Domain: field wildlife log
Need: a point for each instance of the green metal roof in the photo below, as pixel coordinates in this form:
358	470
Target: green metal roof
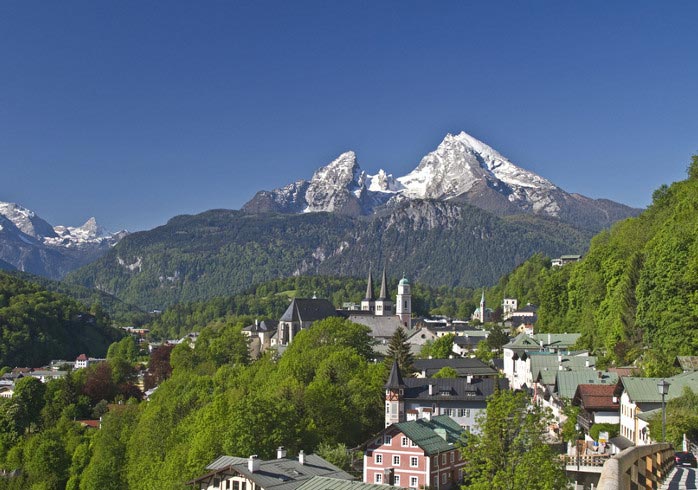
324	483
550	340
424	433
568	381
644	390
547	365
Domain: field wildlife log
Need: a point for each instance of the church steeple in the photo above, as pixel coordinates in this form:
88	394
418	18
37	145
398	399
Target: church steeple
369	286
384	286
369	302
394	397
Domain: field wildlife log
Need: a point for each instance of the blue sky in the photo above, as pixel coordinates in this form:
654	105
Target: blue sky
138	111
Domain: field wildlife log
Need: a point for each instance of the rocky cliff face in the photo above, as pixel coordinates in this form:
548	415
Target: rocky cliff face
460	169
29	243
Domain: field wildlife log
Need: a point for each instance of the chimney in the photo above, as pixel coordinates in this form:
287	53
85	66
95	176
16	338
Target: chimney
586	363
550	339
253	464
256	322
559	358
301	457
280	452
426	414
469	378
431	389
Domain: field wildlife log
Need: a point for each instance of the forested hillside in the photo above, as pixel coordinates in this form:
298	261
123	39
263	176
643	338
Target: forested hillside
221	253
635	293
39	325
270	299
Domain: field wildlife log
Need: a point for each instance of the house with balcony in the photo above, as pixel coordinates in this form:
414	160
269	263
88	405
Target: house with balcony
597	405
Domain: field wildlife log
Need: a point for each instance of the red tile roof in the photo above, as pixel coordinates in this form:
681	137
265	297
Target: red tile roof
596	397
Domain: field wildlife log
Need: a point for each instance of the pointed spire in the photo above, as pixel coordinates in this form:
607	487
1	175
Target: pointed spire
384	286
369	286
482	300
395	378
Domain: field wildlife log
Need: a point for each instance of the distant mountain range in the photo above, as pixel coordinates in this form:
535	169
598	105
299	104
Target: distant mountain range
461	169
30	244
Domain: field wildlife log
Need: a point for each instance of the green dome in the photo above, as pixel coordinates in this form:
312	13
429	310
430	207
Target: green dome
404	281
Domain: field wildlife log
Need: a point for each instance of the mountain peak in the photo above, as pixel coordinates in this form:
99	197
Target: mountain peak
341	171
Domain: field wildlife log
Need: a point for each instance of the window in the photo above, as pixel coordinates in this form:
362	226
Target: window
444	477
413	444
387	408
435	462
405	442
453	456
467	412
396	480
379	459
414	481
243	485
396	460
436	482
414	461
461	412
236	485
379	478
443	458
388	440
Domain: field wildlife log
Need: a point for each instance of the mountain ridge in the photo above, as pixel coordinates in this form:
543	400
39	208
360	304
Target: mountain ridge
461	168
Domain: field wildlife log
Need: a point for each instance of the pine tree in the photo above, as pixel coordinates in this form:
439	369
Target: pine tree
399	350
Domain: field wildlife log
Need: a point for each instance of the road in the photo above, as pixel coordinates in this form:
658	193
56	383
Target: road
681	477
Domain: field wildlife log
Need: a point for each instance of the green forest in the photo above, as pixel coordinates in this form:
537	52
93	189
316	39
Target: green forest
634	296
37	325
323	395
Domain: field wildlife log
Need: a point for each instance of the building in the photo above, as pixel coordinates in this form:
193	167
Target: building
597	405
509	306
417	454
262	336
517	368
426	368
565	259
462	399
482	313
300	314
82	361
638	396
282	473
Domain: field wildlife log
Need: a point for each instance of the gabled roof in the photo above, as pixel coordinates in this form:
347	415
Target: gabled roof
687	363
308	310
278	474
263	326
644	390
596	397
425	433
463	367
381	326
546	365
566	382
452	389
557	341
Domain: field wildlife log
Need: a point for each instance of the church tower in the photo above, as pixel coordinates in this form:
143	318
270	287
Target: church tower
403	302
394	397
369	302
384	306
482	307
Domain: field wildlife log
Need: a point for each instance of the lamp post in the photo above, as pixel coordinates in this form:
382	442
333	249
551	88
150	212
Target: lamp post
663	387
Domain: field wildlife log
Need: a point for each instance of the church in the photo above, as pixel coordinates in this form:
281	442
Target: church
380	314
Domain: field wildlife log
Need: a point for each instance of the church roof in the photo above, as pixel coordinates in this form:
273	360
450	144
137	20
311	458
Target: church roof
308	310
381	326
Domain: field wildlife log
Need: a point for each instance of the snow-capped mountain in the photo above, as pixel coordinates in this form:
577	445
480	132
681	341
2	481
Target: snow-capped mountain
461	168
29	243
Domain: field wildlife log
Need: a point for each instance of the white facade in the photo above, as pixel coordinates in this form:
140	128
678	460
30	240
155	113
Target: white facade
403	302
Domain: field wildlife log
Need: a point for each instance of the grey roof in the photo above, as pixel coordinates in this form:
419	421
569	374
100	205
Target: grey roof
325	483
281	474
263	326
457	389
308	310
381	326
470	339
687	363
463	367
546	365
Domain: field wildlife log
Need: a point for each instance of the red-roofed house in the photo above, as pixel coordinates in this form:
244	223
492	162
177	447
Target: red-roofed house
598	405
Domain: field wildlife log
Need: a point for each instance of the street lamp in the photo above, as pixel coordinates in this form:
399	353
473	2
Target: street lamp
663	387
